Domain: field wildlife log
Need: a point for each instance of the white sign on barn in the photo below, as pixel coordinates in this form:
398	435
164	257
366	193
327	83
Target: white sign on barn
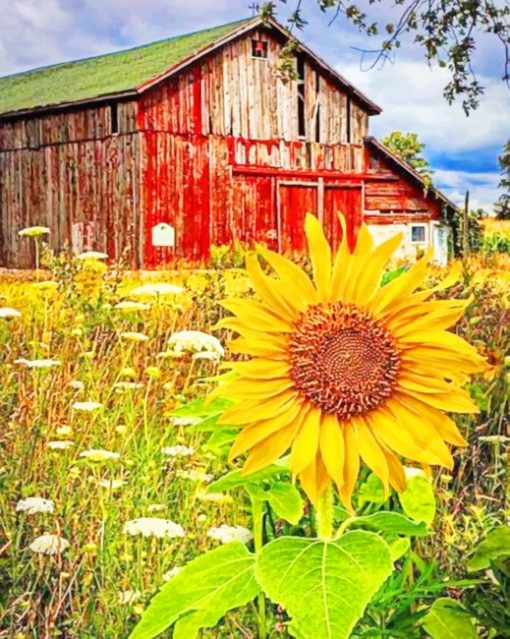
163	235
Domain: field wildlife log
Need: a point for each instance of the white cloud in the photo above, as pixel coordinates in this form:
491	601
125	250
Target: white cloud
482	187
410	94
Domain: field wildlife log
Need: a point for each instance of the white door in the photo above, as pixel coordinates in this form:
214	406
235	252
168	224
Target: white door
440	235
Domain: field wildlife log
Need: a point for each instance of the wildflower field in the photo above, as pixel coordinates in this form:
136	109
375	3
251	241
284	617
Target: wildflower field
119	480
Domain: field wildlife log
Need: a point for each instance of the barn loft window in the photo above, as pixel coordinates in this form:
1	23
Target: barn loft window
259	49
301	96
114	118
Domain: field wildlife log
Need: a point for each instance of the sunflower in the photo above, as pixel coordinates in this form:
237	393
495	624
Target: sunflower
344	370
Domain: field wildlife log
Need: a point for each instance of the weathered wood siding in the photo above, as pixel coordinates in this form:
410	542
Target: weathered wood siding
394	199
67	172
233	94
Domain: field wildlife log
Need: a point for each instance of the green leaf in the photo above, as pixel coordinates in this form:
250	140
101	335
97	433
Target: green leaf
447	619
201	593
398	547
418	500
324	586
198	408
372	491
392	523
220	438
285	499
495	546
236	479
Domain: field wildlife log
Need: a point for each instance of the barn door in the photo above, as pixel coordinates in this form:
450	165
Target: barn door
344	199
295	200
254	214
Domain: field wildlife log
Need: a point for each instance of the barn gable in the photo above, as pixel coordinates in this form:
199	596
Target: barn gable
128	73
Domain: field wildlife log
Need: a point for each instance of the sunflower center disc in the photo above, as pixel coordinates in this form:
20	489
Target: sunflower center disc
343	361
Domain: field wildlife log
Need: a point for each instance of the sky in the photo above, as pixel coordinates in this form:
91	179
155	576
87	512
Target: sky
462	150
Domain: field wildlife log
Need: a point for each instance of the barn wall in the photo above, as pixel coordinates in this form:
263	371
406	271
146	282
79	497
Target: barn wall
233	94
67	172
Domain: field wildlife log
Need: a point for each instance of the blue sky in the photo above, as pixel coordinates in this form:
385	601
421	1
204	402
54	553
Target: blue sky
462	150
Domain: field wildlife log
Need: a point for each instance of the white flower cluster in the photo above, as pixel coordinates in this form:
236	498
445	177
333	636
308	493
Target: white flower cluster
153	527
178	451
202	345
99	455
226	534
49	545
33	505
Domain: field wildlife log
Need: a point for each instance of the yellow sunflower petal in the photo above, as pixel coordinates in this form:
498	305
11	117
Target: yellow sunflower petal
245	389
406	437
251	410
457	402
370	277
269	450
306	443
295	279
351	467
341	266
358	263
314	479
252	435
400	287
320	256
261	368
332	448
268	348
370	451
257	315
267	290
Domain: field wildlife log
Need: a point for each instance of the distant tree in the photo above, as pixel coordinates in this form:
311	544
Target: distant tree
408	147
502	206
446	30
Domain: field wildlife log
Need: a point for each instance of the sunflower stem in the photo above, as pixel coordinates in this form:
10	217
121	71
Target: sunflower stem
257	512
325	515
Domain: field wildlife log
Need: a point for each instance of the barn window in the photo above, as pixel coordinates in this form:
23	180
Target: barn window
114	118
259	49
301	96
418	233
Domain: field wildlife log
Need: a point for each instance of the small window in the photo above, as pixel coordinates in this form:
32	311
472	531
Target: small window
418	234
114	118
259	49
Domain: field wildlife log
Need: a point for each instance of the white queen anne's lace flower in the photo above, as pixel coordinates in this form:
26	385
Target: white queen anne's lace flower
195	342
92	255
60	445
38	363
33	505
49	545
226	534
34	231
153	527
130	307
98	455
194	475
178	451
9	313
127	597
157	288
86	407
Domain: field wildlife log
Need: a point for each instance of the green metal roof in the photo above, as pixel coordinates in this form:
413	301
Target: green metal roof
110	74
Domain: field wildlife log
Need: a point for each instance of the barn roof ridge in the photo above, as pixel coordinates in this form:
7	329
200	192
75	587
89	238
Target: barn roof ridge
404	167
17	100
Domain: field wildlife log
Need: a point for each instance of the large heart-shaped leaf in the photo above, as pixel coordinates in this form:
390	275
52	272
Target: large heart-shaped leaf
324	586
201	593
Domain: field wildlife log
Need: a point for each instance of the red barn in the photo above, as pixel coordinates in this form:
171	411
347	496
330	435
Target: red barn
167	149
